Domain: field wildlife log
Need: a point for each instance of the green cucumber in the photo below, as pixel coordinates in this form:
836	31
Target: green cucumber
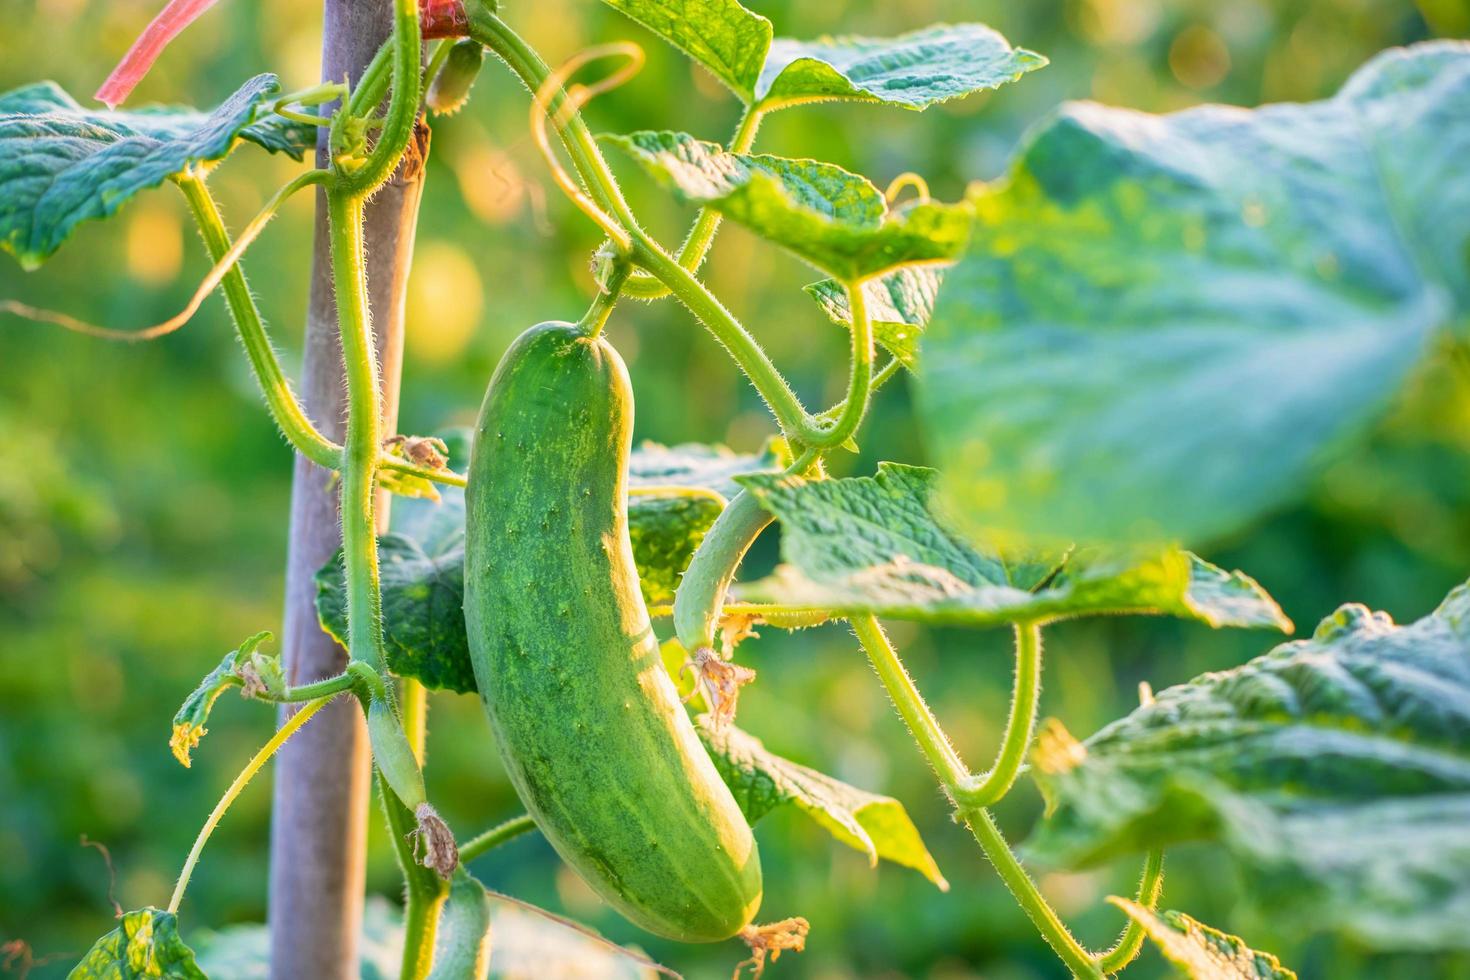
592	732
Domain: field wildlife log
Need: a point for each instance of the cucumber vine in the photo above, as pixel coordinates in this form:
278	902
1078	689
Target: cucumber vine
930	550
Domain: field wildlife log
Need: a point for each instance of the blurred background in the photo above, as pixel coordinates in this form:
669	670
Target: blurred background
143	489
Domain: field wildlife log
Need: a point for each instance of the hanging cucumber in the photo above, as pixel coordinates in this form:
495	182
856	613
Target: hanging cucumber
588	722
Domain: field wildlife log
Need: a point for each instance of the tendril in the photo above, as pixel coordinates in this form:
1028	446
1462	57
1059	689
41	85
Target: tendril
211	281
904	180
576	97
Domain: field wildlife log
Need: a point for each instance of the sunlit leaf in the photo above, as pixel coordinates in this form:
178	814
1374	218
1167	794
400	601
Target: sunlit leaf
145	944
1200	952
421	560
899	306
1163	322
721	35
61	164
1336	770
912	71
881	545
879	826
834	219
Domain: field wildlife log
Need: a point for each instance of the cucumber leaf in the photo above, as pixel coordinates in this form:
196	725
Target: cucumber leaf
899	306
1200	952
245	661
722	35
833	219
881	545
1335	770
61	164
911	71
879	826
421	559
145	944
1163	322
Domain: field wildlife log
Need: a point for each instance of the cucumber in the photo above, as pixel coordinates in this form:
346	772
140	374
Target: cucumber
592	732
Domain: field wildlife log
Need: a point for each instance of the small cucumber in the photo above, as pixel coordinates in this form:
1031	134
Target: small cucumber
590	727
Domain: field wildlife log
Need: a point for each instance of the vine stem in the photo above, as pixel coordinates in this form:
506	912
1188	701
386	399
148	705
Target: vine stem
937	749
364	435
403	106
1150	888
280	397
1020	726
260	758
495	836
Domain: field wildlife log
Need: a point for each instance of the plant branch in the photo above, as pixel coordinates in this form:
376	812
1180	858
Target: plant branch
260	758
976	791
364	436
1150	888
495	836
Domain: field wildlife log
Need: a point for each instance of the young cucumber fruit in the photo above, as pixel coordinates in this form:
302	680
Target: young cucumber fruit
590	727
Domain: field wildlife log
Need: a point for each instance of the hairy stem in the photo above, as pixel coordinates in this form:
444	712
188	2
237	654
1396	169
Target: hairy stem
281	399
1020	726
1026	894
1150	888
495	836
952	774
364	431
260	758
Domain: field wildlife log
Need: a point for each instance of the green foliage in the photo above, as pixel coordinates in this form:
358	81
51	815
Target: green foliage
1162	321
244	666
1334	769
880	545
61	164
899	306
879	826
422	558
1200	952
835	220
912	71
145	944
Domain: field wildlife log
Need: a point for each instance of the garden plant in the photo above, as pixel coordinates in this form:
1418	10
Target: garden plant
1149	332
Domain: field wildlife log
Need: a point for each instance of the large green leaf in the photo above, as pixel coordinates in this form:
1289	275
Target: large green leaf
1163	321
61	164
834	219
880	545
721	35
145	944
879	826
899	306
1335	769
912	71
421	560
1201	952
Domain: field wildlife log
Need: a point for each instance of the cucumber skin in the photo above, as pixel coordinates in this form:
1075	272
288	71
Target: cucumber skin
592	732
